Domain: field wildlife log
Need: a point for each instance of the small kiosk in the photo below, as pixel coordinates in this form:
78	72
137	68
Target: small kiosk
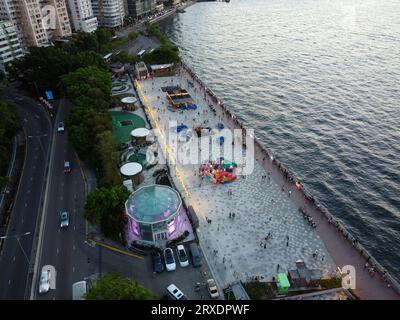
139	136
128	103
134	171
282	283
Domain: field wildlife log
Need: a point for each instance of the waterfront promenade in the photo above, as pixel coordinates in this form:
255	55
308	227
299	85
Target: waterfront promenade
234	247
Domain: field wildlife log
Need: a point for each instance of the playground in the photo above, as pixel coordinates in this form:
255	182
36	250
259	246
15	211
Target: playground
124	123
219	171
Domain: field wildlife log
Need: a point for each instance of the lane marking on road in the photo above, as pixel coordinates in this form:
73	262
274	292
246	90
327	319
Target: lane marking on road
58	251
118	250
14	258
73	269
9	282
22	220
61	198
73	247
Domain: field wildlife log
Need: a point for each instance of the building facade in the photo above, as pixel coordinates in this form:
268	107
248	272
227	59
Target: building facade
37	21
81	15
138	8
10	44
109	13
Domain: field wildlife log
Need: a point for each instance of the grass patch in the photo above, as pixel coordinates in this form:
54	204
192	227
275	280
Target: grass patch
229	295
260	290
331	283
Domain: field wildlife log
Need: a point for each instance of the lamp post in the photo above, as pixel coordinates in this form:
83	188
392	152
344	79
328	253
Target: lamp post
18	237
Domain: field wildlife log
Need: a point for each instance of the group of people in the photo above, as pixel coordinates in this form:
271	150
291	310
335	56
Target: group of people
308	218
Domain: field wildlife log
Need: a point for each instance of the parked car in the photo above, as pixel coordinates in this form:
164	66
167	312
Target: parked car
60	127
174	293
158	265
212	288
44	282
67	167
182	256
169	259
195	254
64	219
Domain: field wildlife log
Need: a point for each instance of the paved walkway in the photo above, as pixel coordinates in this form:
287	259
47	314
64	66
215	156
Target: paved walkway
340	249
235	247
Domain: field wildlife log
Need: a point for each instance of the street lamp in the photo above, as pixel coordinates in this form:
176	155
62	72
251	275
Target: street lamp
18	237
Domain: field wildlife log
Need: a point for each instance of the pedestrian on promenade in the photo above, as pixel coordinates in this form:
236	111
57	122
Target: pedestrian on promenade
277	268
230	215
233	215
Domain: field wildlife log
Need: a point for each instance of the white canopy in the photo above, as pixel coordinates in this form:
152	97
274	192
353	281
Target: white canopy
128	100
140	132
130	169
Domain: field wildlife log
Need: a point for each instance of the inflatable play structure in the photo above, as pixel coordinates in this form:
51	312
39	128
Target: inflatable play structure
220	171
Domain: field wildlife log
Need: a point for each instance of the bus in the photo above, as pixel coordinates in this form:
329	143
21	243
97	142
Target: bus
107	57
141	53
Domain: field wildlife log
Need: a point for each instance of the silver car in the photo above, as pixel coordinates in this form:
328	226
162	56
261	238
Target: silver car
64	219
44	283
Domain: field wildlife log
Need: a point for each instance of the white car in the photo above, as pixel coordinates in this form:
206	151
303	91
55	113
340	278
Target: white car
169	259
44	283
212	288
60	127
182	256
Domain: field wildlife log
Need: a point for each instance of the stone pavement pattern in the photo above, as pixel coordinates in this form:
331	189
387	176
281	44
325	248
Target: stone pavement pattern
233	246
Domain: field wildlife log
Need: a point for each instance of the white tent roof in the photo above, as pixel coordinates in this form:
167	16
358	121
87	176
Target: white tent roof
130	169
128	100
140	132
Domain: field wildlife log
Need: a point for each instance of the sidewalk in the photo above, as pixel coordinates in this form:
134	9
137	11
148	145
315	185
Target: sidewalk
340	248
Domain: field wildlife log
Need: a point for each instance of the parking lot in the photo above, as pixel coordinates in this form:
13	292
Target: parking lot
142	271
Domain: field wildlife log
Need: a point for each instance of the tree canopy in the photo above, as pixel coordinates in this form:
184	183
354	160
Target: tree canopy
114	286
105	206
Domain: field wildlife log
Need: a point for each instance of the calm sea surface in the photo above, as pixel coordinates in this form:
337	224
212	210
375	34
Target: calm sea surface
319	81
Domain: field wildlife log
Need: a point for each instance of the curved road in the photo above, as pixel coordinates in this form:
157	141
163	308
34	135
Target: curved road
14	264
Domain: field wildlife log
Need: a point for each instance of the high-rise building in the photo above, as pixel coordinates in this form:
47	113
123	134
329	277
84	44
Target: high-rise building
109	13
137	8
81	15
10	44
37	21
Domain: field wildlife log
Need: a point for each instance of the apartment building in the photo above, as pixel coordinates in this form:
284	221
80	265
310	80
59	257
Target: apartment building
137	8
37	21
81	15
10	44
109	13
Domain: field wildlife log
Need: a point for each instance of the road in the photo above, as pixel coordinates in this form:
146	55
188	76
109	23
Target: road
65	249
14	265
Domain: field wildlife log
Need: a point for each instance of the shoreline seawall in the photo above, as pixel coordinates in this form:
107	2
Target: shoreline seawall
288	180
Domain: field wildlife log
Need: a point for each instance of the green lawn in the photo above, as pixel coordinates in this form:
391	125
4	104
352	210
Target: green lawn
123	123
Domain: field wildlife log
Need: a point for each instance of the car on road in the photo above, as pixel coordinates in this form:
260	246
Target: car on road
174	293
44	281
79	290
212	288
195	254
64	219
182	256
67	167
169	259
61	127
158	265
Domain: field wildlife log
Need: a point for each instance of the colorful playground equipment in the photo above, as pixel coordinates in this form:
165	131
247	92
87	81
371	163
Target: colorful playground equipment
220	171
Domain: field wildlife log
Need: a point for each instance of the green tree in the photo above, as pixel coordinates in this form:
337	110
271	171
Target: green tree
114	286
87	59
9	127
79	82
108	154
133	35
105	206
164	54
